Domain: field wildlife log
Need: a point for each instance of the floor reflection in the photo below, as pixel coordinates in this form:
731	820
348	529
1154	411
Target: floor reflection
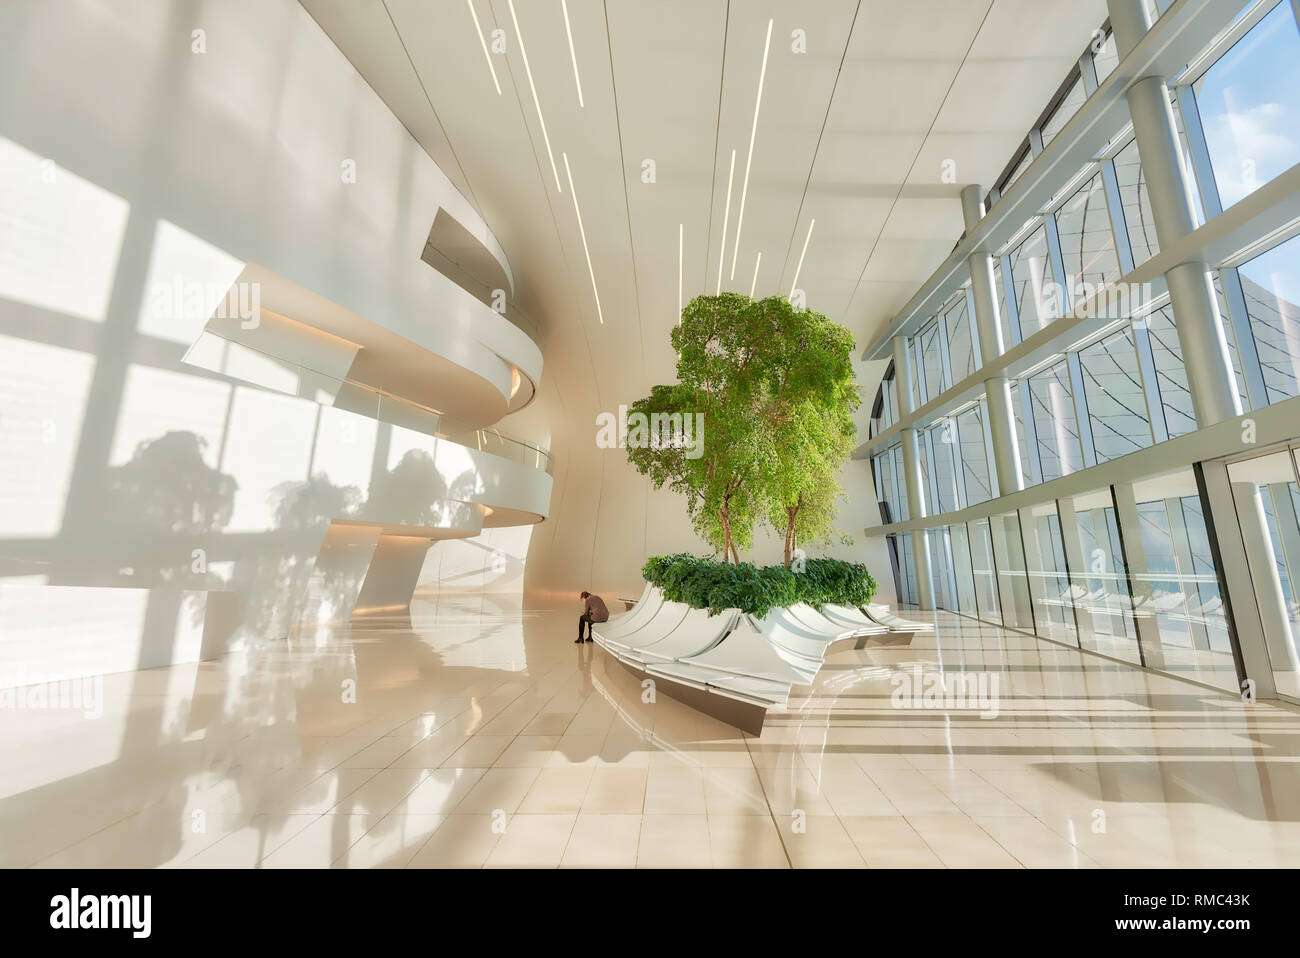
471	731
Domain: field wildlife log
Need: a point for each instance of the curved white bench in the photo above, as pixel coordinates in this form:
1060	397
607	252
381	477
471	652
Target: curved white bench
816	623
620	627
667	616
878	613
703	659
849	617
746	652
697	632
792	638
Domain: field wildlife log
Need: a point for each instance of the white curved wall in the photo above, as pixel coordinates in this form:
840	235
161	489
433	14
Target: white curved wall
139	175
268	146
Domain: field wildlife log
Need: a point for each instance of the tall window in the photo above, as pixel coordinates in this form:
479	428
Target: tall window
1271	282
1112	385
1031	269
1249	102
1138	219
1062	114
962	348
974	457
1059	452
931	364
1087	246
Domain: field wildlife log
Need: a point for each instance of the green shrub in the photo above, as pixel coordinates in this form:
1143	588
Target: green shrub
710	584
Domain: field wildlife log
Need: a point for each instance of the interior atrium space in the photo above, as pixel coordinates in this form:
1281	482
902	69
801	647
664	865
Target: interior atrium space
649	435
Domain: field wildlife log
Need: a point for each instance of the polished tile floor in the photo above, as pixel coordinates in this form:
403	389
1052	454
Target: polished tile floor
474	733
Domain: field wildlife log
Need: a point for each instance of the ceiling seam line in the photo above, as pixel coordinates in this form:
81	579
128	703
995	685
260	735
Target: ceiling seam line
794	227
717	135
432	109
903	184
627	202
550	205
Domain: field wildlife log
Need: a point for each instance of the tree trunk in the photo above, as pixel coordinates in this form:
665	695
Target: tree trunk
726	534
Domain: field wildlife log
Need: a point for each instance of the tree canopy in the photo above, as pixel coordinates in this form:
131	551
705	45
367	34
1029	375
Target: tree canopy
773	388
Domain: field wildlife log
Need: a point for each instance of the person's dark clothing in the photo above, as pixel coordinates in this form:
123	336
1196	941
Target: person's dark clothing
594	611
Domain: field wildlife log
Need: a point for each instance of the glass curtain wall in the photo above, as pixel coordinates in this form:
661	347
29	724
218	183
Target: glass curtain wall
1190	635
1105	600
1048	578
1271	485
984	570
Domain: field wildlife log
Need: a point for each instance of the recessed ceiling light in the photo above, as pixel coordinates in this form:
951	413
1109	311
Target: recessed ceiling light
754	284
799	268
726	215
583	233
483	43
536	102
564	5
744	190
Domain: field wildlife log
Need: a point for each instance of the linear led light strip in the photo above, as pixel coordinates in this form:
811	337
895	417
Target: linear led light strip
744	190
564	5
754	284
583	233
536	102
799	268
681	256
482	42
726	215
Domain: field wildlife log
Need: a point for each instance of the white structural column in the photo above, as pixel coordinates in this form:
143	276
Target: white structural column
1169	189
912	478
1201	333
1002	421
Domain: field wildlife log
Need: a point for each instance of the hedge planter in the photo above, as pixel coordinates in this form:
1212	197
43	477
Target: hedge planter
704	583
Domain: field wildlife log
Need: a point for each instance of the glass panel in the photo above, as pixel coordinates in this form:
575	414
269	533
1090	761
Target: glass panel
941	563
1105	606
959	544
1087	246
1138	219
900	482
1271	282
1113	387
1059	452
931	361
924	462
1062	114
1184	600
914	360
1026	158
1031	269
1105	58
907	568
985	573
942	439
1171	376
1265	489
1000	293
1022	438
1249	102
1009	558
1049	584
961	345
974	458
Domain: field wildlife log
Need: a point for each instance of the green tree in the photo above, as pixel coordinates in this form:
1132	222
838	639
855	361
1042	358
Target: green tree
809	399
773	387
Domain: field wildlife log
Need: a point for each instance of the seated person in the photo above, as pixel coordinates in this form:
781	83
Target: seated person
593	611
